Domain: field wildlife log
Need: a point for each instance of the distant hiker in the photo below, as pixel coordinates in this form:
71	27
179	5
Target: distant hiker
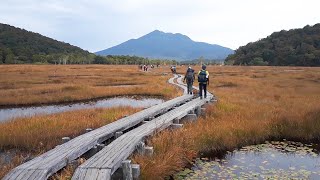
173	69
190	79
203	79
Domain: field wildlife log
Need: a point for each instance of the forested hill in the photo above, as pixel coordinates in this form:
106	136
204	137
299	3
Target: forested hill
21	46
296	47
18	46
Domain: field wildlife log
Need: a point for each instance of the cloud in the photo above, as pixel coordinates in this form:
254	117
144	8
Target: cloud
98	24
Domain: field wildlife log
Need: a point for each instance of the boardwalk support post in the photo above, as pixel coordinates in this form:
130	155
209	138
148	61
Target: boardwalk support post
189	118
197	111
176	121
148	151
100	146
118	134
73	164
65	139
88	130
93	151
127	170
176	126
141	148
135	171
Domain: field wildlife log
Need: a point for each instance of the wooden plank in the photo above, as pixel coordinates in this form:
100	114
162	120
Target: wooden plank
120	149
37	174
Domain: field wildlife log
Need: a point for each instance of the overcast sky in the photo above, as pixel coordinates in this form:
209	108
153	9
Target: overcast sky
99	24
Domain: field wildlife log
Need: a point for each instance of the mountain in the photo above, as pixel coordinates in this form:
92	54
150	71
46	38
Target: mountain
160	45
296	47
22	46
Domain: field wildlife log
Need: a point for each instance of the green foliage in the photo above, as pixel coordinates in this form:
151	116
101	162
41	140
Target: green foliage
133	60
297	47
258	61
18	46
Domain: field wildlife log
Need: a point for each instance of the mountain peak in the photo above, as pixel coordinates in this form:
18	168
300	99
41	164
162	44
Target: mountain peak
164	45
161	34
155	33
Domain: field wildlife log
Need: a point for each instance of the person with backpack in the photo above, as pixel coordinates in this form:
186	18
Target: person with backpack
173	69
203	79
190	79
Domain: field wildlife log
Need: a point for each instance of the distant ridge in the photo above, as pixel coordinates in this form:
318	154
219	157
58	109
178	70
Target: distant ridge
22	46
296	47
161	45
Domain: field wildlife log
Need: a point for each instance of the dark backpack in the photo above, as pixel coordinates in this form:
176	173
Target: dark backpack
202	77
190	75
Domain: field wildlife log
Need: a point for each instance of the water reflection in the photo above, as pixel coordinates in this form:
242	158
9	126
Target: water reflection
271	160
7	114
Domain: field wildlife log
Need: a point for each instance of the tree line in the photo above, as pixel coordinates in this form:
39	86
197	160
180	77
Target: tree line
117	59
296	47
7	57
19	46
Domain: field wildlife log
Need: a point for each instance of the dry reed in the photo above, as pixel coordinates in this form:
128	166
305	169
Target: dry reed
255	104
49	84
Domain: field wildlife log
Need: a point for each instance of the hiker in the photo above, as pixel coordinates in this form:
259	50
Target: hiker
173	69
203	79
190	79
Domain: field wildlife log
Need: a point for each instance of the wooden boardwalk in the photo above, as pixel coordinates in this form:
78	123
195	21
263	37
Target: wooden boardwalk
50	162
108	160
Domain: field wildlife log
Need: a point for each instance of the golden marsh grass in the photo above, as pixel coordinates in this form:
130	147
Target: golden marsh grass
49	84
255	104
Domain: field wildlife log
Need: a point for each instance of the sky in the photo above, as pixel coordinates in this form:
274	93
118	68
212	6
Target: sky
95	25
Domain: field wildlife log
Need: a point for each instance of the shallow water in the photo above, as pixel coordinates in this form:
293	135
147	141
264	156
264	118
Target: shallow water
11	113
271	160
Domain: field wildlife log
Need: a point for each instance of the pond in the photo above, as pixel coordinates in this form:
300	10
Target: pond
271	160
11	113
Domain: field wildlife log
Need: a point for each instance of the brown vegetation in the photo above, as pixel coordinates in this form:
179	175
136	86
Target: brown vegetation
38	134
255	104
49	84
46	84
42	133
